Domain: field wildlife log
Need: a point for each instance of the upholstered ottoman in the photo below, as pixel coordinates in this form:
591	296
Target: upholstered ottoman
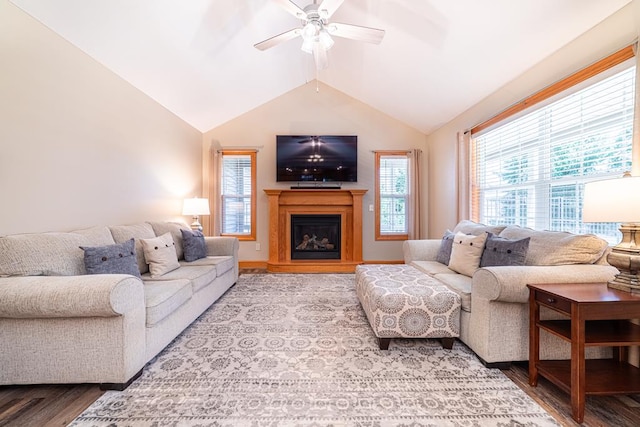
402	302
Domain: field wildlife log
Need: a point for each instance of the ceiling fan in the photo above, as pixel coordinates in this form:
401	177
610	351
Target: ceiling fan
316	30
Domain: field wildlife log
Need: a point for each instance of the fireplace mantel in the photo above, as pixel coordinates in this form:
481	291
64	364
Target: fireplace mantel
284	203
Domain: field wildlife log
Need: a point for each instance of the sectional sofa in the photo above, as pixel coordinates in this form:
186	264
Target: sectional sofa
494	320
59	324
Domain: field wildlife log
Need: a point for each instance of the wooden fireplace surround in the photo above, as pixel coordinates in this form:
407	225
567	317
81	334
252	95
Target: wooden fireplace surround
284	203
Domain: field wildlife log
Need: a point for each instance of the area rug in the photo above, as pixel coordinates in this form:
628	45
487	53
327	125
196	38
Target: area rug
297	350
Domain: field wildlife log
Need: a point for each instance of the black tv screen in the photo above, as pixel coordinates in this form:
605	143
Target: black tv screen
319	158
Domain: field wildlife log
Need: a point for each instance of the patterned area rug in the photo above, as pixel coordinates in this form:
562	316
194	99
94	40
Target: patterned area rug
296	350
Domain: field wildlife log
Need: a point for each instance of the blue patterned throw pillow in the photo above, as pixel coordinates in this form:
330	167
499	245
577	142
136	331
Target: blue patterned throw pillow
111	259
193	245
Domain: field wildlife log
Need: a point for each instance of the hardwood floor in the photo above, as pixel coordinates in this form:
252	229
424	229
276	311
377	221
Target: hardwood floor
46	405
600	411
40	406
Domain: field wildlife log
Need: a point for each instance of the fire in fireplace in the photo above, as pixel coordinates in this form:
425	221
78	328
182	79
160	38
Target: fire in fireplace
315	236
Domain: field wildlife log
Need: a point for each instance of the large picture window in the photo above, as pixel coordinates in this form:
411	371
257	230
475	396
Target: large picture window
238	198
531	171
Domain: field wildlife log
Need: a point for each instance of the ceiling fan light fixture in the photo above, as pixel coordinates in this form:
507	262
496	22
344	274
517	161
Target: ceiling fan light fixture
310	30
325	39
307	45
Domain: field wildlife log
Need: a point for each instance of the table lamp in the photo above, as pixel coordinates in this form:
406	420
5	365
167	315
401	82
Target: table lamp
618	200
195	207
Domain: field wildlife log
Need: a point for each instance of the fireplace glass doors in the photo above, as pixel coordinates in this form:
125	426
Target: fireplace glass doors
315	236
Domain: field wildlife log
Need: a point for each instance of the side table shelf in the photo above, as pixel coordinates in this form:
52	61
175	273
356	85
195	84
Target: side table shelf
596	316
597	332
603	376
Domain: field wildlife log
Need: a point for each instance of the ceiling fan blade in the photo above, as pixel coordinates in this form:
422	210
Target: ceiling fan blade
275	40
292	8
328	7
356	32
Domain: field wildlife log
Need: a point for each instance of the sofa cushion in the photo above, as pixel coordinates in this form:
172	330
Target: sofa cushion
118	258
173	227
98	236
431	267
199	276
160	254
122	233
223	263
460	284
42	254
558	247
163	297
444	252
194	245
470	227
500	251
466	253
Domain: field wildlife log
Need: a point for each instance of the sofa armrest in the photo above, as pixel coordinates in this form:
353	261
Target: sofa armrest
420	250
222	245
509	284
99	295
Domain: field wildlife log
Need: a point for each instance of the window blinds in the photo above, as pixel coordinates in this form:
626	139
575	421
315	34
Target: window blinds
394	192
236	194
531	171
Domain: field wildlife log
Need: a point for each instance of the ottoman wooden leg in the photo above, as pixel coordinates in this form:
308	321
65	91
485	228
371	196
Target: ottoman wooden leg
448	343
384	343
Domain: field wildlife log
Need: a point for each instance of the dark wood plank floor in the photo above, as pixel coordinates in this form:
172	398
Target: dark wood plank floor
46	405
600	411
39	406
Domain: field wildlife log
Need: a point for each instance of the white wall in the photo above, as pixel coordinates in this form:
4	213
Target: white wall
304	111
614	33
79	146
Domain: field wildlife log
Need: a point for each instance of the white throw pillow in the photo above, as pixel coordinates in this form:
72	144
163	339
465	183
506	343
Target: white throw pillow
466	253
160	254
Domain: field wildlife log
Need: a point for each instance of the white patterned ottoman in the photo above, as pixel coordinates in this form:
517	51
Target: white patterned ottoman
402	302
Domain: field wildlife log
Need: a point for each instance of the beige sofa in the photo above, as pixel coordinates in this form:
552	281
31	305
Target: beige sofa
59	324
494	319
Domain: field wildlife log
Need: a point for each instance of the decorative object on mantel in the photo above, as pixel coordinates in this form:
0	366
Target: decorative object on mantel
618	200
196	207
316	30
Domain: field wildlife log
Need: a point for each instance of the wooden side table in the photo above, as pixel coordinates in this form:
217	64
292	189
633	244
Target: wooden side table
597	316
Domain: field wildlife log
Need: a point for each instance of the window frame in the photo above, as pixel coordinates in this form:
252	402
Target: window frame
378	197
253	158
505	117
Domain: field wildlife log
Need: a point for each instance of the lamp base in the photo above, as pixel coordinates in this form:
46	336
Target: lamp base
625	282
195	225
626	258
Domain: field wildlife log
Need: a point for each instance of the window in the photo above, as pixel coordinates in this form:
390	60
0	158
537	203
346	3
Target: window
531	171
392	195
238	184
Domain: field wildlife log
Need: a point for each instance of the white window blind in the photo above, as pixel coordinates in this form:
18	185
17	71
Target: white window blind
236	194
394	193
531	171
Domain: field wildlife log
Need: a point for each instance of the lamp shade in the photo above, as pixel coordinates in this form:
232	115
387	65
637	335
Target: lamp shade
612	200
195	206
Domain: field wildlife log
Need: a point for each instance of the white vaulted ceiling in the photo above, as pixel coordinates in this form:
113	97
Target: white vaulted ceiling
438	57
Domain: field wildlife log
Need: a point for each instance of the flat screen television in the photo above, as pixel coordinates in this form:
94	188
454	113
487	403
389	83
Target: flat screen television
317	158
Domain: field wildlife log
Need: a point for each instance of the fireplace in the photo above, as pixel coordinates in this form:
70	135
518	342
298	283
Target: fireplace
286	205
315	236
